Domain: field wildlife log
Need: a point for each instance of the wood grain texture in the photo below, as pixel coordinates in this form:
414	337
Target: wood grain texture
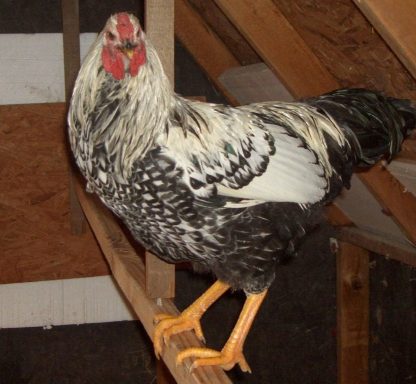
35	238
352	314
279	45
397	201
205	46
395	22
159	19
382	245
348	45
72	61
129	271
160	276
229	34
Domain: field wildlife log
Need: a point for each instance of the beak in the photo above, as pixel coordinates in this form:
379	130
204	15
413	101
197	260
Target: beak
128	49
129	52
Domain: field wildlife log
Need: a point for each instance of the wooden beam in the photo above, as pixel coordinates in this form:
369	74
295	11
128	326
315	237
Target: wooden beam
71	44
352	313
393	196
380	244
395	22
159	19
204	45
280	46
129	272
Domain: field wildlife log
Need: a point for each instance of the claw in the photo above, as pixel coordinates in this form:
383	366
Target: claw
205	356
168	325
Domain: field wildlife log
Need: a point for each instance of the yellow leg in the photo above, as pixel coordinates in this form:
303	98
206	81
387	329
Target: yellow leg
232	352
168	325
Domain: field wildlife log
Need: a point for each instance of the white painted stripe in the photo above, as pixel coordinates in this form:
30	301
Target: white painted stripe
32	67
60	302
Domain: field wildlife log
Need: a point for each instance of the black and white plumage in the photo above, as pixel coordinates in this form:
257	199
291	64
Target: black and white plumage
231	189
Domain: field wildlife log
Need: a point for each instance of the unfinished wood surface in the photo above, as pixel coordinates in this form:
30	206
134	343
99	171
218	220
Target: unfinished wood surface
163	375
205	46
71	43
280	46
160	276
397	201
352	314
35	238
380	244
348	46
229	34
395	21
159	26
129	272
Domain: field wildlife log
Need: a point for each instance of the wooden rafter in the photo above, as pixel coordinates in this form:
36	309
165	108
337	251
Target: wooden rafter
206	47
278	44
395	21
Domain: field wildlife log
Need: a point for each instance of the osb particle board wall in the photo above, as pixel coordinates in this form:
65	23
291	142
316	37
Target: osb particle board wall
347	44
35	237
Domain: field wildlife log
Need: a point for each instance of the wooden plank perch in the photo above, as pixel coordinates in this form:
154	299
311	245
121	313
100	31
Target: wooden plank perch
129	271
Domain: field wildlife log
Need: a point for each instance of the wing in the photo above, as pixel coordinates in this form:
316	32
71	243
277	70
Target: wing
263	152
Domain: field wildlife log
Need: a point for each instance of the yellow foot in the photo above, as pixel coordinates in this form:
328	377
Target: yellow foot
226	359
168	325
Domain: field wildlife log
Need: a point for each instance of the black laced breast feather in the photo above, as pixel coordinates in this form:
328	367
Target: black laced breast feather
240	245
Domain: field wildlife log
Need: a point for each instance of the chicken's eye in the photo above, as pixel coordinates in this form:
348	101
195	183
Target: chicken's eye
111	36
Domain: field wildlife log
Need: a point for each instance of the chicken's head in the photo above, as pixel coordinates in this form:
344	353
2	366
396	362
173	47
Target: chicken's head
123	49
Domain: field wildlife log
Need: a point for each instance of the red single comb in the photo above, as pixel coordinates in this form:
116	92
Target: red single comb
124	26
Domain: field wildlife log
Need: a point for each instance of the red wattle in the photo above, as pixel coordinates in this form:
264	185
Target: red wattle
113	62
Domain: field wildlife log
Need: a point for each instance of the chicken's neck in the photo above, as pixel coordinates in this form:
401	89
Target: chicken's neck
125	116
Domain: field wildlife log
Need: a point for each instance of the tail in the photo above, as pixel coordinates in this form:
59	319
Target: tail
373	124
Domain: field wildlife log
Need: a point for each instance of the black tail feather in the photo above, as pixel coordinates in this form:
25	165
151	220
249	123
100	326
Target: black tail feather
374	125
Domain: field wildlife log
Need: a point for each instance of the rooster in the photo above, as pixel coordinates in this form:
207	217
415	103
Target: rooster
232	190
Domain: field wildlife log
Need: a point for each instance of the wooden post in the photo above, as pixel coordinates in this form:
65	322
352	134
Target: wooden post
352	313
70	22
160	276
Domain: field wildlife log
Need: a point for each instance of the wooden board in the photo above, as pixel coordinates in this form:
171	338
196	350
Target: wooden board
381	244
129	271
35	238
32	67
62	302
396	200
279	45
199	39
160	276
348	45
352	314
395	21
222	26
72	61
